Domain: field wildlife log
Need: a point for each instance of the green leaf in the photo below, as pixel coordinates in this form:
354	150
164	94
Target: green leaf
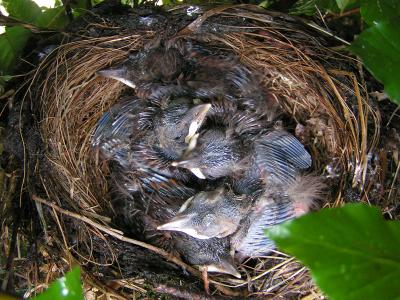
22	10
64	288
265	3
12	43
379	10
346	4
379	48
5	78
53	18
95	2
353	253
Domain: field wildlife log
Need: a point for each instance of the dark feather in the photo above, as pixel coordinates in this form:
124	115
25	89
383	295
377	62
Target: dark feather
281	156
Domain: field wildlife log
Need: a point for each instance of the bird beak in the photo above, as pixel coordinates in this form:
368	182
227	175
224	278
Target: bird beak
196	171
199	113
118	73
185	205
224	267
182	224
192	144
176	224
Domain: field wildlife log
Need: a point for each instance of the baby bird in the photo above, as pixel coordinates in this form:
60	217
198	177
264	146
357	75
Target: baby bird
221	149
130	119
168	138
242	220
192	70
154	65
210	214
144	141
276	155
153	73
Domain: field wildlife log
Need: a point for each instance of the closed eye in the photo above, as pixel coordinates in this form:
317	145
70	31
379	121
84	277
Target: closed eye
178	137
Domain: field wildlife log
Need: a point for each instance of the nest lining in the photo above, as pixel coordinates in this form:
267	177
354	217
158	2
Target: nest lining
318	90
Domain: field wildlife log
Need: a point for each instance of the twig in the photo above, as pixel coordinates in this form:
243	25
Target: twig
347	13
196	24
7	21
176	293
205	280
120	236
8	280
394	181
326	32
7	94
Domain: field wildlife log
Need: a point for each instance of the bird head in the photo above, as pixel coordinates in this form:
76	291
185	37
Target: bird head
193	119
176	129
212	255
209	214
214	156
122	72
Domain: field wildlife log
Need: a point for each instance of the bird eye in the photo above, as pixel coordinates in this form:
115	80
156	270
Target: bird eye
178	137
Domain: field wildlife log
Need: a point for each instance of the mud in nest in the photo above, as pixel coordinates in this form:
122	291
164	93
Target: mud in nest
324	102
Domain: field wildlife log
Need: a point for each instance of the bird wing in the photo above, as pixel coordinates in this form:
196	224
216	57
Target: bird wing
253	241
281	155
115	128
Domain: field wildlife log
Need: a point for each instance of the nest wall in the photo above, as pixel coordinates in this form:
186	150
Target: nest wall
323	99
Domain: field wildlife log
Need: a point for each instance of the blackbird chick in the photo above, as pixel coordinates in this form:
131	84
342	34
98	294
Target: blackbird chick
191	70
223	148
130	120
277	205
277	158
171	132
213	215
143	141
210	214
153	73
153	65
213	254
276	155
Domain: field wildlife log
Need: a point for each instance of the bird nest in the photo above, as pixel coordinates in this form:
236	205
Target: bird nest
323	99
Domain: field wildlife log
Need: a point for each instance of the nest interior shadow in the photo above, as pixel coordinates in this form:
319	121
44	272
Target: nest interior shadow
323	100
